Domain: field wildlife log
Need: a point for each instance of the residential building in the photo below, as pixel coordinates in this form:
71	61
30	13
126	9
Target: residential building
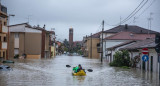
52	43
135	50
46	41
90	46
3	32
25	40
125	28
112	50
122	38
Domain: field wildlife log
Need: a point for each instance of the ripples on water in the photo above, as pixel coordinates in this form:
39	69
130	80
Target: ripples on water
53	72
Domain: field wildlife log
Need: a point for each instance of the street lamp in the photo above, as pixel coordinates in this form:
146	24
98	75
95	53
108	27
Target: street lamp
8	34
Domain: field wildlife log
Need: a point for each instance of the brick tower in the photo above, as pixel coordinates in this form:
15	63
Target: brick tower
70	37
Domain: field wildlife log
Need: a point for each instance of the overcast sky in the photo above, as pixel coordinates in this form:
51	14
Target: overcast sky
85	16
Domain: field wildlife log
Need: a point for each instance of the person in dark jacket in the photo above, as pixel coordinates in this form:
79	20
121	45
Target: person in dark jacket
79	67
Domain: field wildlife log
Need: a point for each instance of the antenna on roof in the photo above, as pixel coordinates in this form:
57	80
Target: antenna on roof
120	20
134	20
28	18
150	23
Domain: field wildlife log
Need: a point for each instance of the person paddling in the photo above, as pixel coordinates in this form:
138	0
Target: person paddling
75	69
79	67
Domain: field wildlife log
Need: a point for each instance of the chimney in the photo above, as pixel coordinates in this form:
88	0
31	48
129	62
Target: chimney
126	26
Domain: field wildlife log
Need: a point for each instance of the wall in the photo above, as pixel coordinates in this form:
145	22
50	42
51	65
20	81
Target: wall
47	42
53	51
21	43
95	54
33	43
11	45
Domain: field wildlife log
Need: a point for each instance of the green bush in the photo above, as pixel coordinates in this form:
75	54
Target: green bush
121	59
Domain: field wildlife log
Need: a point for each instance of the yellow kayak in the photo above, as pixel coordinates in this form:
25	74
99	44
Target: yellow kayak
80	73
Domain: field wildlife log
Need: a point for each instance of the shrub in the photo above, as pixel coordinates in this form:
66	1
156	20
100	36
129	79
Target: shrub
121	59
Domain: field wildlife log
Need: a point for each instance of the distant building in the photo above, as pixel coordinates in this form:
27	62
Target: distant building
52	43
76	43
3	32
70	37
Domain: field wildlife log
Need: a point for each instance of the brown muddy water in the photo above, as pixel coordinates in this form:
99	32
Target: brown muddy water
53	72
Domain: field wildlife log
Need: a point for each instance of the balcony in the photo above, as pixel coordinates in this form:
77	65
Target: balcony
3	45
4	29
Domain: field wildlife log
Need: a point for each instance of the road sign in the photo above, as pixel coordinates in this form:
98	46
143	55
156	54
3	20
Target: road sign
145	58
145	50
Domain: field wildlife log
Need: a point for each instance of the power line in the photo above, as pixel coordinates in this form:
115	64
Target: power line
139	7
147	8
134	13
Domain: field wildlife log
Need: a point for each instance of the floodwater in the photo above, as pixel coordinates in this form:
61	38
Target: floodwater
53	72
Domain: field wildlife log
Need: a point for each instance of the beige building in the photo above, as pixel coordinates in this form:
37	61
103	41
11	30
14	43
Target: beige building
48	42
90	46
25	40
3	32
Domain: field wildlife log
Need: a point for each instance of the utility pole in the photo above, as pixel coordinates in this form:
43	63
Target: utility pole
91	47
102	41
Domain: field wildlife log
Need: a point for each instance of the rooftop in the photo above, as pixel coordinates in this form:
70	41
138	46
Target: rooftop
129	36
148	43
130	28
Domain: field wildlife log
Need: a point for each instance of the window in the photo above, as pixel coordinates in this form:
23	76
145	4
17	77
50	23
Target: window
16	51
0	38
3	54
5	39
16	35
5	23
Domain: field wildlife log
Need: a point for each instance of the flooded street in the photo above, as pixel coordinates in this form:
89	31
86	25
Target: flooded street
53	72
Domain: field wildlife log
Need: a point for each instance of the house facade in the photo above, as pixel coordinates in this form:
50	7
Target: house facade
136	51
52	43
133	33
122	38
48	38
89	46
3	32
25	40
